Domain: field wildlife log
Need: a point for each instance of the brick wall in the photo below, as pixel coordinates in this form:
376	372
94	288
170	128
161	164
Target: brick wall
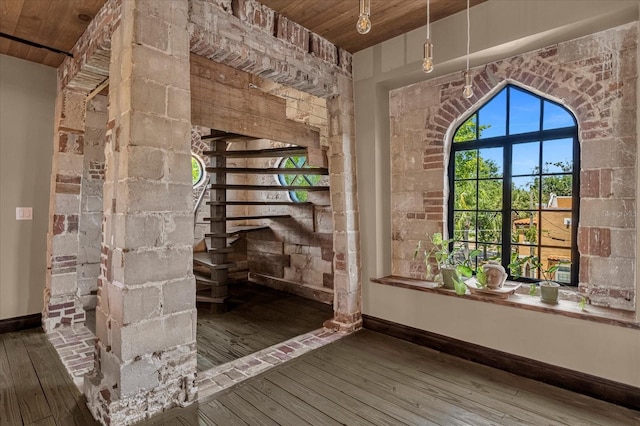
596	78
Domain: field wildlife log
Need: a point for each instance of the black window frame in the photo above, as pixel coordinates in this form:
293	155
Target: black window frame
507	142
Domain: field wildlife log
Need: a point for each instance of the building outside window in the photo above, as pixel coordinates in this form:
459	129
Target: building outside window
513	176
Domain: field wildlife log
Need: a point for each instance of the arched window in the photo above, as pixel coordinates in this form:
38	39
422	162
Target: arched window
300	162
513	179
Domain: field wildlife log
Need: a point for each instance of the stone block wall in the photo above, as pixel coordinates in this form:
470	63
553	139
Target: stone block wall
90	221
596	78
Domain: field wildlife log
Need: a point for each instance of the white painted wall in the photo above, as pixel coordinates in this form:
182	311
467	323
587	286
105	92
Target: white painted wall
27	101
499	29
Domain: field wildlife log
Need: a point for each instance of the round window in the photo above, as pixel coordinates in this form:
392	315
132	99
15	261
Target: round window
198	173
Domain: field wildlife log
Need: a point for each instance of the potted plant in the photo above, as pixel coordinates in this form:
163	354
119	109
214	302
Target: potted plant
548	289
452	264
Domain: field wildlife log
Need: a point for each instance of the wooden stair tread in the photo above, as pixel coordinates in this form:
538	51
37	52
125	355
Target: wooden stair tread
256	203
235	230
221	250
209	299
228	218
270	171
204	259
314	188
289	151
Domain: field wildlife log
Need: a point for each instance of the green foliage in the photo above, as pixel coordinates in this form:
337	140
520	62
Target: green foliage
459	287
532	289
517	263
299	180
582	303
196	171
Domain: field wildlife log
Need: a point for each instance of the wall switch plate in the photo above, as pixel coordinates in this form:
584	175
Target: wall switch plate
24	213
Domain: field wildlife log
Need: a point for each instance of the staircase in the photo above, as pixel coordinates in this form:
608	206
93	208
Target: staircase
216	265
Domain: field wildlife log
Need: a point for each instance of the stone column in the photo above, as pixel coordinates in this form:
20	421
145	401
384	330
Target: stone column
62	305
146	316
347	284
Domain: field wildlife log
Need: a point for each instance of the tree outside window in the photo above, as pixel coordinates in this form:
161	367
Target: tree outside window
300	162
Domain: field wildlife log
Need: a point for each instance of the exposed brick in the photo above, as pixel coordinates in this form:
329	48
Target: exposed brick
58	224
292	33
600	242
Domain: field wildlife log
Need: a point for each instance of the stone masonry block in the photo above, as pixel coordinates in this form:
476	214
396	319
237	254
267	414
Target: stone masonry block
160	132
147	196
178	167
63	284
138	376
143	162
148	96
130	305
134	231
178	103
151	31
162	68
178	229
142	267
156	335
178	295
73	110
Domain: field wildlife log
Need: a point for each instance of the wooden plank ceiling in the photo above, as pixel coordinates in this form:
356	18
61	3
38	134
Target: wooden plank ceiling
53	23
336	20
59	23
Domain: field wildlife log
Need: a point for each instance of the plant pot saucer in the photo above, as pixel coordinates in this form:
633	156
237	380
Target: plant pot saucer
503	292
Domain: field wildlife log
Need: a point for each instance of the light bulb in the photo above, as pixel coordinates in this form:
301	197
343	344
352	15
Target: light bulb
427	63
364	24
468	89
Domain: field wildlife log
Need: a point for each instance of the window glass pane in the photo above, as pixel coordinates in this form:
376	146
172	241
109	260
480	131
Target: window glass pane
525	158
464	226
492	117
557	191
526	270
465	195
524	227
556	228
556	117
466	166
489	252
198	173
490	162
524	193
467	131
524	112
489	227
557	156
490	194
551	257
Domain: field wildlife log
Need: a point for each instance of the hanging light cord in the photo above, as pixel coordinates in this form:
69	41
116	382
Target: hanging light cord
468	34
428	19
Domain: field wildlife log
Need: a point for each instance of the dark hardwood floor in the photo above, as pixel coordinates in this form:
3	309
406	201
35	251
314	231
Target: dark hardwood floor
369	378
363	379
258	317
35	388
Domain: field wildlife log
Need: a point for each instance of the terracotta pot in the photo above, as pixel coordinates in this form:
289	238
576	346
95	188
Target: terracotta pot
549	292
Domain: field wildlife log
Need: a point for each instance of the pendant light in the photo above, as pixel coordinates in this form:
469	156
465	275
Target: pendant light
468	89
427	63
364	23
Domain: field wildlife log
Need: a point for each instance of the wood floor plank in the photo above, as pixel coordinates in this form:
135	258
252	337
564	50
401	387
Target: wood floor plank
393	368
330	400
269	407
496	384
411	399
245	411
47	421
399	412
293	403
31	400
220	415
67	404
9	408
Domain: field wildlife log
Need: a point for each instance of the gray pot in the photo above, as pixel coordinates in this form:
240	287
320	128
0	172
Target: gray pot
449	274
549	292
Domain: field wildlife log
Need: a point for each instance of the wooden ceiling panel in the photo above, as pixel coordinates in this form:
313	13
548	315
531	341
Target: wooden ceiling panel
335	20
54	23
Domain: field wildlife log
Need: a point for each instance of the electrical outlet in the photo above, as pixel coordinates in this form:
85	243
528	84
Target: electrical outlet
24	213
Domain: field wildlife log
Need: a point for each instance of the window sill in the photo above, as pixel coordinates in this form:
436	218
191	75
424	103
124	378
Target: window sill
565	308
